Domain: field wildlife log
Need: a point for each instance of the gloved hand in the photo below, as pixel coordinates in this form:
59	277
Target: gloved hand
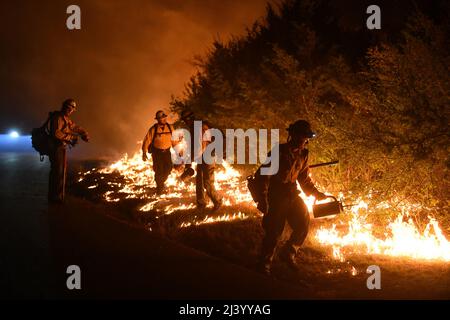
178	167
85	137
144	156
187	173
320	195
73	141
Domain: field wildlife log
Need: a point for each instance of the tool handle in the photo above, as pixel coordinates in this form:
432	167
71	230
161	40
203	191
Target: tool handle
324	164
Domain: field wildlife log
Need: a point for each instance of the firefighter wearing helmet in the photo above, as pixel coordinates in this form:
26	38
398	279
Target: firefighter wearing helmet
204	179
158	142
282	202
63	132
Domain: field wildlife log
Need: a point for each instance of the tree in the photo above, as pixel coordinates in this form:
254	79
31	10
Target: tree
380	106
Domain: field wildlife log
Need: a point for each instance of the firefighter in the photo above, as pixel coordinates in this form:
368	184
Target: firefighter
282	201
158	142
204	180
63	132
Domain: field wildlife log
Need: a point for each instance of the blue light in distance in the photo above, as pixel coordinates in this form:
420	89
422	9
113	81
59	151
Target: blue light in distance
14	134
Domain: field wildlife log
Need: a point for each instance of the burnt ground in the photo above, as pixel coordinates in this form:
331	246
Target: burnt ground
120	258
237	242
117	259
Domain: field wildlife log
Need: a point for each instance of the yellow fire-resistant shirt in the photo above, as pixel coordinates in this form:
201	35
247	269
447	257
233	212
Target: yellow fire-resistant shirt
162	140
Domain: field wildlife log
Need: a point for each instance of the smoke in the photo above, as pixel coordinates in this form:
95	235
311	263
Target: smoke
122	66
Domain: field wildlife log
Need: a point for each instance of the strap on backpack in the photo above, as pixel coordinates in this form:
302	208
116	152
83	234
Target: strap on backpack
45	125
50	114
155	128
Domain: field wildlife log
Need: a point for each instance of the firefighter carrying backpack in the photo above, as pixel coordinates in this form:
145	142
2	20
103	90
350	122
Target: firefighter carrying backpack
155	129
41	139
255	184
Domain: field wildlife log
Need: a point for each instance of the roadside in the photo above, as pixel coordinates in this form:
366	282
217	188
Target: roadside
116	260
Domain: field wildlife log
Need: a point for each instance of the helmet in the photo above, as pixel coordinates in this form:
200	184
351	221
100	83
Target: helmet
160	114
301	128
186	114
69	103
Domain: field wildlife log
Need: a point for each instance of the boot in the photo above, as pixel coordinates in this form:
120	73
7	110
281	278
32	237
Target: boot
201	205
287	255
160	190
217	205
265	263
265	267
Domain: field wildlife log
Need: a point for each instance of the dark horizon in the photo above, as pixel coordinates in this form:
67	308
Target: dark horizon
122	66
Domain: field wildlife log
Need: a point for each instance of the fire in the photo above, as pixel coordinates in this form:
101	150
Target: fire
225	217
401	239
139	178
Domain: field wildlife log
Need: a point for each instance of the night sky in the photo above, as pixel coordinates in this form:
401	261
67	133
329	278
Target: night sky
126	61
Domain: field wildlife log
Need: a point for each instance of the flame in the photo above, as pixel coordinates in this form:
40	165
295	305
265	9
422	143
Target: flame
225	217
402	239
139	178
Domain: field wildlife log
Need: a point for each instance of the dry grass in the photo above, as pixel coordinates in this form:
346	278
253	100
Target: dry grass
238	242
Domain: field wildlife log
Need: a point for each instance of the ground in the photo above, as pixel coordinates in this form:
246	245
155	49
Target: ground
117	259
121	258
237	241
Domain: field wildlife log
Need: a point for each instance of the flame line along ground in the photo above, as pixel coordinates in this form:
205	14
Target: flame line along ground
403	238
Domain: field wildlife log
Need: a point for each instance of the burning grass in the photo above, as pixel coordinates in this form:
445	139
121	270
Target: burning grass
130	184
338	248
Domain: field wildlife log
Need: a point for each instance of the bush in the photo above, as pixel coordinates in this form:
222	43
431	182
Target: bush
380	106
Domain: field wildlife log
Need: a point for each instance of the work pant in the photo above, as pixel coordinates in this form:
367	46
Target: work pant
57	176
162	165
284	206
205	181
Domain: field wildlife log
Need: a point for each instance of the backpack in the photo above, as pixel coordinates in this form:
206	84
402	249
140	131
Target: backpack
154	127
41	139
255	184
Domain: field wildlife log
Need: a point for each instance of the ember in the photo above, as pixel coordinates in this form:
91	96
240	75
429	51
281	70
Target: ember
402	239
